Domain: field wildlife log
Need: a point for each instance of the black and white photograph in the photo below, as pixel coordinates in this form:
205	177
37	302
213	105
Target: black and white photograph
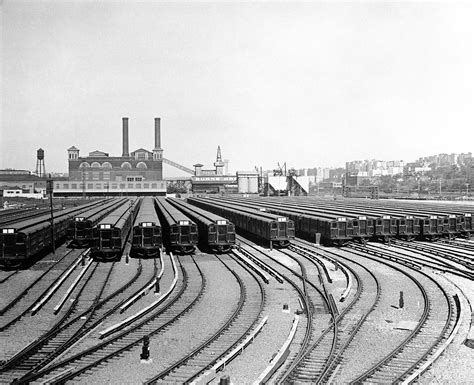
236	192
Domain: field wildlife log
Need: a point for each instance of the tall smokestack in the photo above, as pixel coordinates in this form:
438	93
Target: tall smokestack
125	137
157	133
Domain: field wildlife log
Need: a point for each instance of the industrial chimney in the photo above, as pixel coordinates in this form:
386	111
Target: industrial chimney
125	137
157	133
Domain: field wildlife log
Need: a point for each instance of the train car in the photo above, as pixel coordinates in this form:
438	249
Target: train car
379	224
342	228
216	233
146	233
111	233
408	225
447	223
180	233
276	229
80	230
23	241
335	230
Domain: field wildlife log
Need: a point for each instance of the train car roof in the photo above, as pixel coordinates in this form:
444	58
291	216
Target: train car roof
266	216
286	209
33	224
113	219
204	215
171	213
147	213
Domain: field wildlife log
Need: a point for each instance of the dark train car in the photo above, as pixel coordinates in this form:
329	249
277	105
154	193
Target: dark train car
80	230
216	233
276	229
180	233
343	226
22	241
468	223
448	223
409	224
146	233
378	224
111	233
334	229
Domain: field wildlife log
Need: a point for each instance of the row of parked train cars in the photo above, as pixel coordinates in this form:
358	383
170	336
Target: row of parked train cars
337	222
105	226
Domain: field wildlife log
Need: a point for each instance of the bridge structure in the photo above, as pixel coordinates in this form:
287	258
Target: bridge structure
179	183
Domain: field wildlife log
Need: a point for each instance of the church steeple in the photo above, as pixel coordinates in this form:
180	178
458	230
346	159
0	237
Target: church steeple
219	164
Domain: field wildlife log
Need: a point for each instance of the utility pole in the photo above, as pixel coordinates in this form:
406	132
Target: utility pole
49	190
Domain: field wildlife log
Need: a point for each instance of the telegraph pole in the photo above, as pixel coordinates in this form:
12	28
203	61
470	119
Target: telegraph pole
49	190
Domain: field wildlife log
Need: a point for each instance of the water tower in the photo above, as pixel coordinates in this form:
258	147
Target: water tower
40	169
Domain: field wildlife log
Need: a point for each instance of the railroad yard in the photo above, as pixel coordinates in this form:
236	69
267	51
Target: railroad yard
237	289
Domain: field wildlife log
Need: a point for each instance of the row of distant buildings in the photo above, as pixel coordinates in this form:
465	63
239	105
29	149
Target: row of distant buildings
441	160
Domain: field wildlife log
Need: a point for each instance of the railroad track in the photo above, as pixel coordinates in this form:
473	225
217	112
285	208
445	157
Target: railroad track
461	243
27	298
189	289
309	360
316	307
27	215
244	317
464	259
53	342
326	353
8	276
433	259
81	321
437	321
307	323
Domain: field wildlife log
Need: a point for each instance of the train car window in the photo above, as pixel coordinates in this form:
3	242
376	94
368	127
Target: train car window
402	222
379	221
274	225
356	223
334	225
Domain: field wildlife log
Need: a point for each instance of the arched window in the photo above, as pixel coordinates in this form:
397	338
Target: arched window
141	165
95	164
126	165
106	165
84	165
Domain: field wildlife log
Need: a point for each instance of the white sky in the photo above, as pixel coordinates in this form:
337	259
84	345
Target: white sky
312	84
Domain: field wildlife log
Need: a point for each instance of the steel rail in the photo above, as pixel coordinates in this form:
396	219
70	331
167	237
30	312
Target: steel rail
426	312
71	370
61	330
336	320
230	321
30	287
24	361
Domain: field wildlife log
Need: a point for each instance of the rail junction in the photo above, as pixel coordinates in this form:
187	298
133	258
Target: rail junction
252	290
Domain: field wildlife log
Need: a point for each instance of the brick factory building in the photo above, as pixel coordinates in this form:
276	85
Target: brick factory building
139	172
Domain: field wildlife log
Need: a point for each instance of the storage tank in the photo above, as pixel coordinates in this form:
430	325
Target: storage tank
243	184
253	184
